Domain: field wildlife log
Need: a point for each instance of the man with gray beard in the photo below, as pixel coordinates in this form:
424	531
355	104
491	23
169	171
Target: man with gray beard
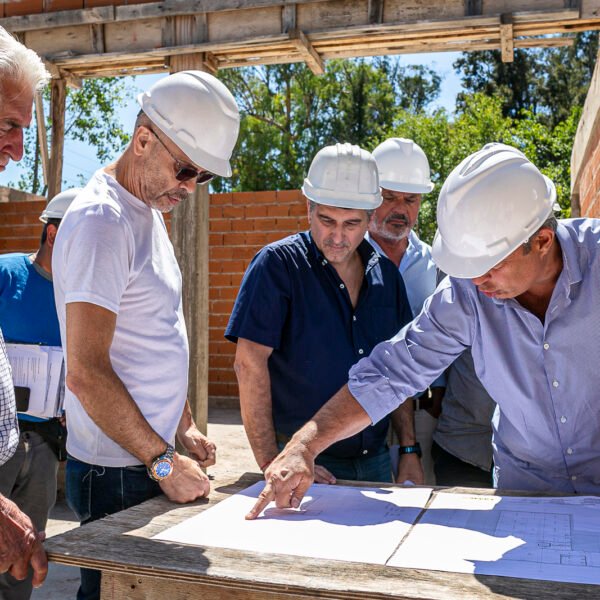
404	177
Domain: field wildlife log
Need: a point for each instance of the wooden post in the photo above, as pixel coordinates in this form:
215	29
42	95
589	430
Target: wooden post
41	132
189	232
58	100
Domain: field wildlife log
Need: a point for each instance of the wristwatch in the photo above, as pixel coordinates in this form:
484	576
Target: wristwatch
162	466
414	449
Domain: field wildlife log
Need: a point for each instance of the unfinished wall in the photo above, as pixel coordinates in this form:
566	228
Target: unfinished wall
240	224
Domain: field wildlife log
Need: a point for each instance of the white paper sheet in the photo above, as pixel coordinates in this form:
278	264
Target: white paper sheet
39	369
555	539
334	522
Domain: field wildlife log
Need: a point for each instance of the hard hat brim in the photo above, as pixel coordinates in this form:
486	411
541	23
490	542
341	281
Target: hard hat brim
407	188
462	267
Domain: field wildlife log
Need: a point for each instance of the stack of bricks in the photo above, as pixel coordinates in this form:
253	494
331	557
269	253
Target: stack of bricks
240	224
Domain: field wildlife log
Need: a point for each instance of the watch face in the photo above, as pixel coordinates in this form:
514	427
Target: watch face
162	469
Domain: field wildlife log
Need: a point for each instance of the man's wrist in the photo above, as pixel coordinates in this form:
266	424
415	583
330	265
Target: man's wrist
412	449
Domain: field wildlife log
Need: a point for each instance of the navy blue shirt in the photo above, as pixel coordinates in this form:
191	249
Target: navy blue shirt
292	300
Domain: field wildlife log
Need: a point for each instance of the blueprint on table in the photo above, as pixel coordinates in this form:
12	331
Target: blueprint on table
555	539
360	524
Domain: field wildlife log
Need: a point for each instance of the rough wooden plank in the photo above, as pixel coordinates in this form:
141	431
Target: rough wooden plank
225	26
288	17
120	545
61	18
97	35
375	11
58	99
40	120
507	39
473	7
306	50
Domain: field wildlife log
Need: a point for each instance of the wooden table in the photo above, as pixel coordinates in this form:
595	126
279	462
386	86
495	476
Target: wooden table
135	567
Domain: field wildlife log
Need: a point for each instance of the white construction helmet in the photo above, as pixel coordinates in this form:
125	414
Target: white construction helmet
493	202
345	176
403	166
197	113
57	207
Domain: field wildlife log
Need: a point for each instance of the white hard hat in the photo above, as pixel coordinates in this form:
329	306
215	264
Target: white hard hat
199	114
57	207
344	176
403	166
489	205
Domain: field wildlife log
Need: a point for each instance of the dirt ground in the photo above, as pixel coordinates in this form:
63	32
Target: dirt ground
233	457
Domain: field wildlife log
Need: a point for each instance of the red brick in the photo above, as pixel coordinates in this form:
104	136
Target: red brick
217	252
265	224
245	198
256	210
233	212
242	225
289	224
21	231
229	293
215	212
232	266
234	239
288	195
219	280
298	210
221	199
215	266
215	239
278	210
92	3
219	225
23	7
257	239
52	5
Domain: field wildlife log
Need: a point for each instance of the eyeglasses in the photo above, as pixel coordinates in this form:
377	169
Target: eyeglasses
185	172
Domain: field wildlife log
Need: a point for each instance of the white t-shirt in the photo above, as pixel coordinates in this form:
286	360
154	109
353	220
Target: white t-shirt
112	250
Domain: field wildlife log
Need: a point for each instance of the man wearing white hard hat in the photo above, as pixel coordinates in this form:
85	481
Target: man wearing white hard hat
404	177
309	307
28	316
522	294
118	296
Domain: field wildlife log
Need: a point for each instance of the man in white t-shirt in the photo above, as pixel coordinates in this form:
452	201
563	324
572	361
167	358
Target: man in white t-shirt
118	298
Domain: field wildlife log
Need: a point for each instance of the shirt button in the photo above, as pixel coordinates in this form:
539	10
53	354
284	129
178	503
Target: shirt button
546	346
573	477
563	419
555	383
342	286
569	450
365	452
361	351
354	317
324	263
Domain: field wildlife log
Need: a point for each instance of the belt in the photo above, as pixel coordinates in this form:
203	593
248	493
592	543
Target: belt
37	426
424	402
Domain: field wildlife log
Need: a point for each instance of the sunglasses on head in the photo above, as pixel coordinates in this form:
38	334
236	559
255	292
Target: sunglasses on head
185	172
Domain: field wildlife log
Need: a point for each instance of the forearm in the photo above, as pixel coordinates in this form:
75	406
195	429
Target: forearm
257	413
108	403
403	423
341	417
186	421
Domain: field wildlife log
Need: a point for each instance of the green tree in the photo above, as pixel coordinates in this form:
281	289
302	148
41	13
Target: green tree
91	116
288	114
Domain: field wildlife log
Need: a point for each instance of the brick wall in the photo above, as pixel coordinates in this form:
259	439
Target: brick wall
589	179
240	224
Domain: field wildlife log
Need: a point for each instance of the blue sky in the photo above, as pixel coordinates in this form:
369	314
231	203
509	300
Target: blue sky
80	158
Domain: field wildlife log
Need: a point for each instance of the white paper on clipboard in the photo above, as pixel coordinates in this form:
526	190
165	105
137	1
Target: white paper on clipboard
39	368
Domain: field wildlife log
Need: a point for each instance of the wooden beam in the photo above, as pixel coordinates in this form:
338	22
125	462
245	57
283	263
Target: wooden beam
507	39
375	10
60	18
40	120
190	233
58	98
306	50
97	35
288	17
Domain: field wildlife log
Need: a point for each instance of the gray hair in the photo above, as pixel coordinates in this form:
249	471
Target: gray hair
312	205
20	64
550	223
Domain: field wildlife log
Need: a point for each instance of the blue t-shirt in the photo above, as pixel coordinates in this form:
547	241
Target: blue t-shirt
292	300
27	308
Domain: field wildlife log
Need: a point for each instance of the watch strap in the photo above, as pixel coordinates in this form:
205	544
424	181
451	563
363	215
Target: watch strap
414	449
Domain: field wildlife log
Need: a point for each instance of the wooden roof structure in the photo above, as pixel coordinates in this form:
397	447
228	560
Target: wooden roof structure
124	38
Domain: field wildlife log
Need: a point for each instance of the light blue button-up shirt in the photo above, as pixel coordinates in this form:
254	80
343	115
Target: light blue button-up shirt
545	377
420	277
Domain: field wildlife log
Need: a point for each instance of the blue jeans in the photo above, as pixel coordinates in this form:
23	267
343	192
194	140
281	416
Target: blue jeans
93	492
372	467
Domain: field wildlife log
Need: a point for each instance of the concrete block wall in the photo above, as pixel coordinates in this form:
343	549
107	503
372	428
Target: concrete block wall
240	224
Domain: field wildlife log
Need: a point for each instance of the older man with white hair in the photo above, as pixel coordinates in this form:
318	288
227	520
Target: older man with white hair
22	73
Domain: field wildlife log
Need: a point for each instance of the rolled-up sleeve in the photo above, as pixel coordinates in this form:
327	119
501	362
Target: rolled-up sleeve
406	364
